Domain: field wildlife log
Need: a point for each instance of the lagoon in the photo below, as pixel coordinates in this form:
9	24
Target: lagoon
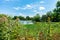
26	22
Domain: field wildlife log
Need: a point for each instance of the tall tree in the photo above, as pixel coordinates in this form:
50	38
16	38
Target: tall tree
57	11
58	4
36	18
44	18
49	15
28	18
15	17
21	18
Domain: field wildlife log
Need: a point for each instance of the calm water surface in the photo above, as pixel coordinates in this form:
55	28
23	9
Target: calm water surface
26	22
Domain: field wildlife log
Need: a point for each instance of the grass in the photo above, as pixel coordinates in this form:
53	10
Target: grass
45	27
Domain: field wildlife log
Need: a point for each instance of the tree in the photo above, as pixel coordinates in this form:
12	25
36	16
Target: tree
49	15
21	18
36	18
58	4
9	29
15	17
1	15
28	18
44	18
57	12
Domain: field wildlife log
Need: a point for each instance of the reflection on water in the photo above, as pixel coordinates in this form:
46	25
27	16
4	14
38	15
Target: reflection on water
26	22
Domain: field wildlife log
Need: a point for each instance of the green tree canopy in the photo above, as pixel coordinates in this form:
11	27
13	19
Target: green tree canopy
21	18
28	18
36	18
58	4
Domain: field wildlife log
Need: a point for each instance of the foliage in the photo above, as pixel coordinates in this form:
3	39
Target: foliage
9	29
44	18
21	18
12	29
58	4
44	27
28	18
15	17
54	15
36	18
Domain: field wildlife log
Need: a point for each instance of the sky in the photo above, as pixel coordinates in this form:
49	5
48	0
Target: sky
26	7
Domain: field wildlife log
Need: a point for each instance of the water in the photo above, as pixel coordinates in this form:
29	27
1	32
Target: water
26	22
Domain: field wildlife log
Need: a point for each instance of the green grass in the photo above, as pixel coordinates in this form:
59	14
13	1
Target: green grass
34	29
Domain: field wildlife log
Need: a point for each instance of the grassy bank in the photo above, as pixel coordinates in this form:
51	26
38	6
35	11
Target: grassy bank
13	30
43	27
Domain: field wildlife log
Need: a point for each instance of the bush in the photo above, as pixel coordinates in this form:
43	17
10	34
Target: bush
9	29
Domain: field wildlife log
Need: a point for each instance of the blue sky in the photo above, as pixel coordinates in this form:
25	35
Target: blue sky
26	7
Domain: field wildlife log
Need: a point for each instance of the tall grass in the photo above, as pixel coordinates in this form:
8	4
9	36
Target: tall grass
13	30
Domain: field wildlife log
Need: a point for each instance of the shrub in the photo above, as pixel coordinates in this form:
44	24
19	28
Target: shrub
9	29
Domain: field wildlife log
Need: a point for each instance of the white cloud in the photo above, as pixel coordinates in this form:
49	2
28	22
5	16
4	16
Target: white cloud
16	8
31	15
40	13
23	8
41	8
37	12
34	10
35	7
42	2
21	14
27	7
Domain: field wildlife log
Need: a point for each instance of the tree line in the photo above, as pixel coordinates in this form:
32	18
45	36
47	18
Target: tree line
54	15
